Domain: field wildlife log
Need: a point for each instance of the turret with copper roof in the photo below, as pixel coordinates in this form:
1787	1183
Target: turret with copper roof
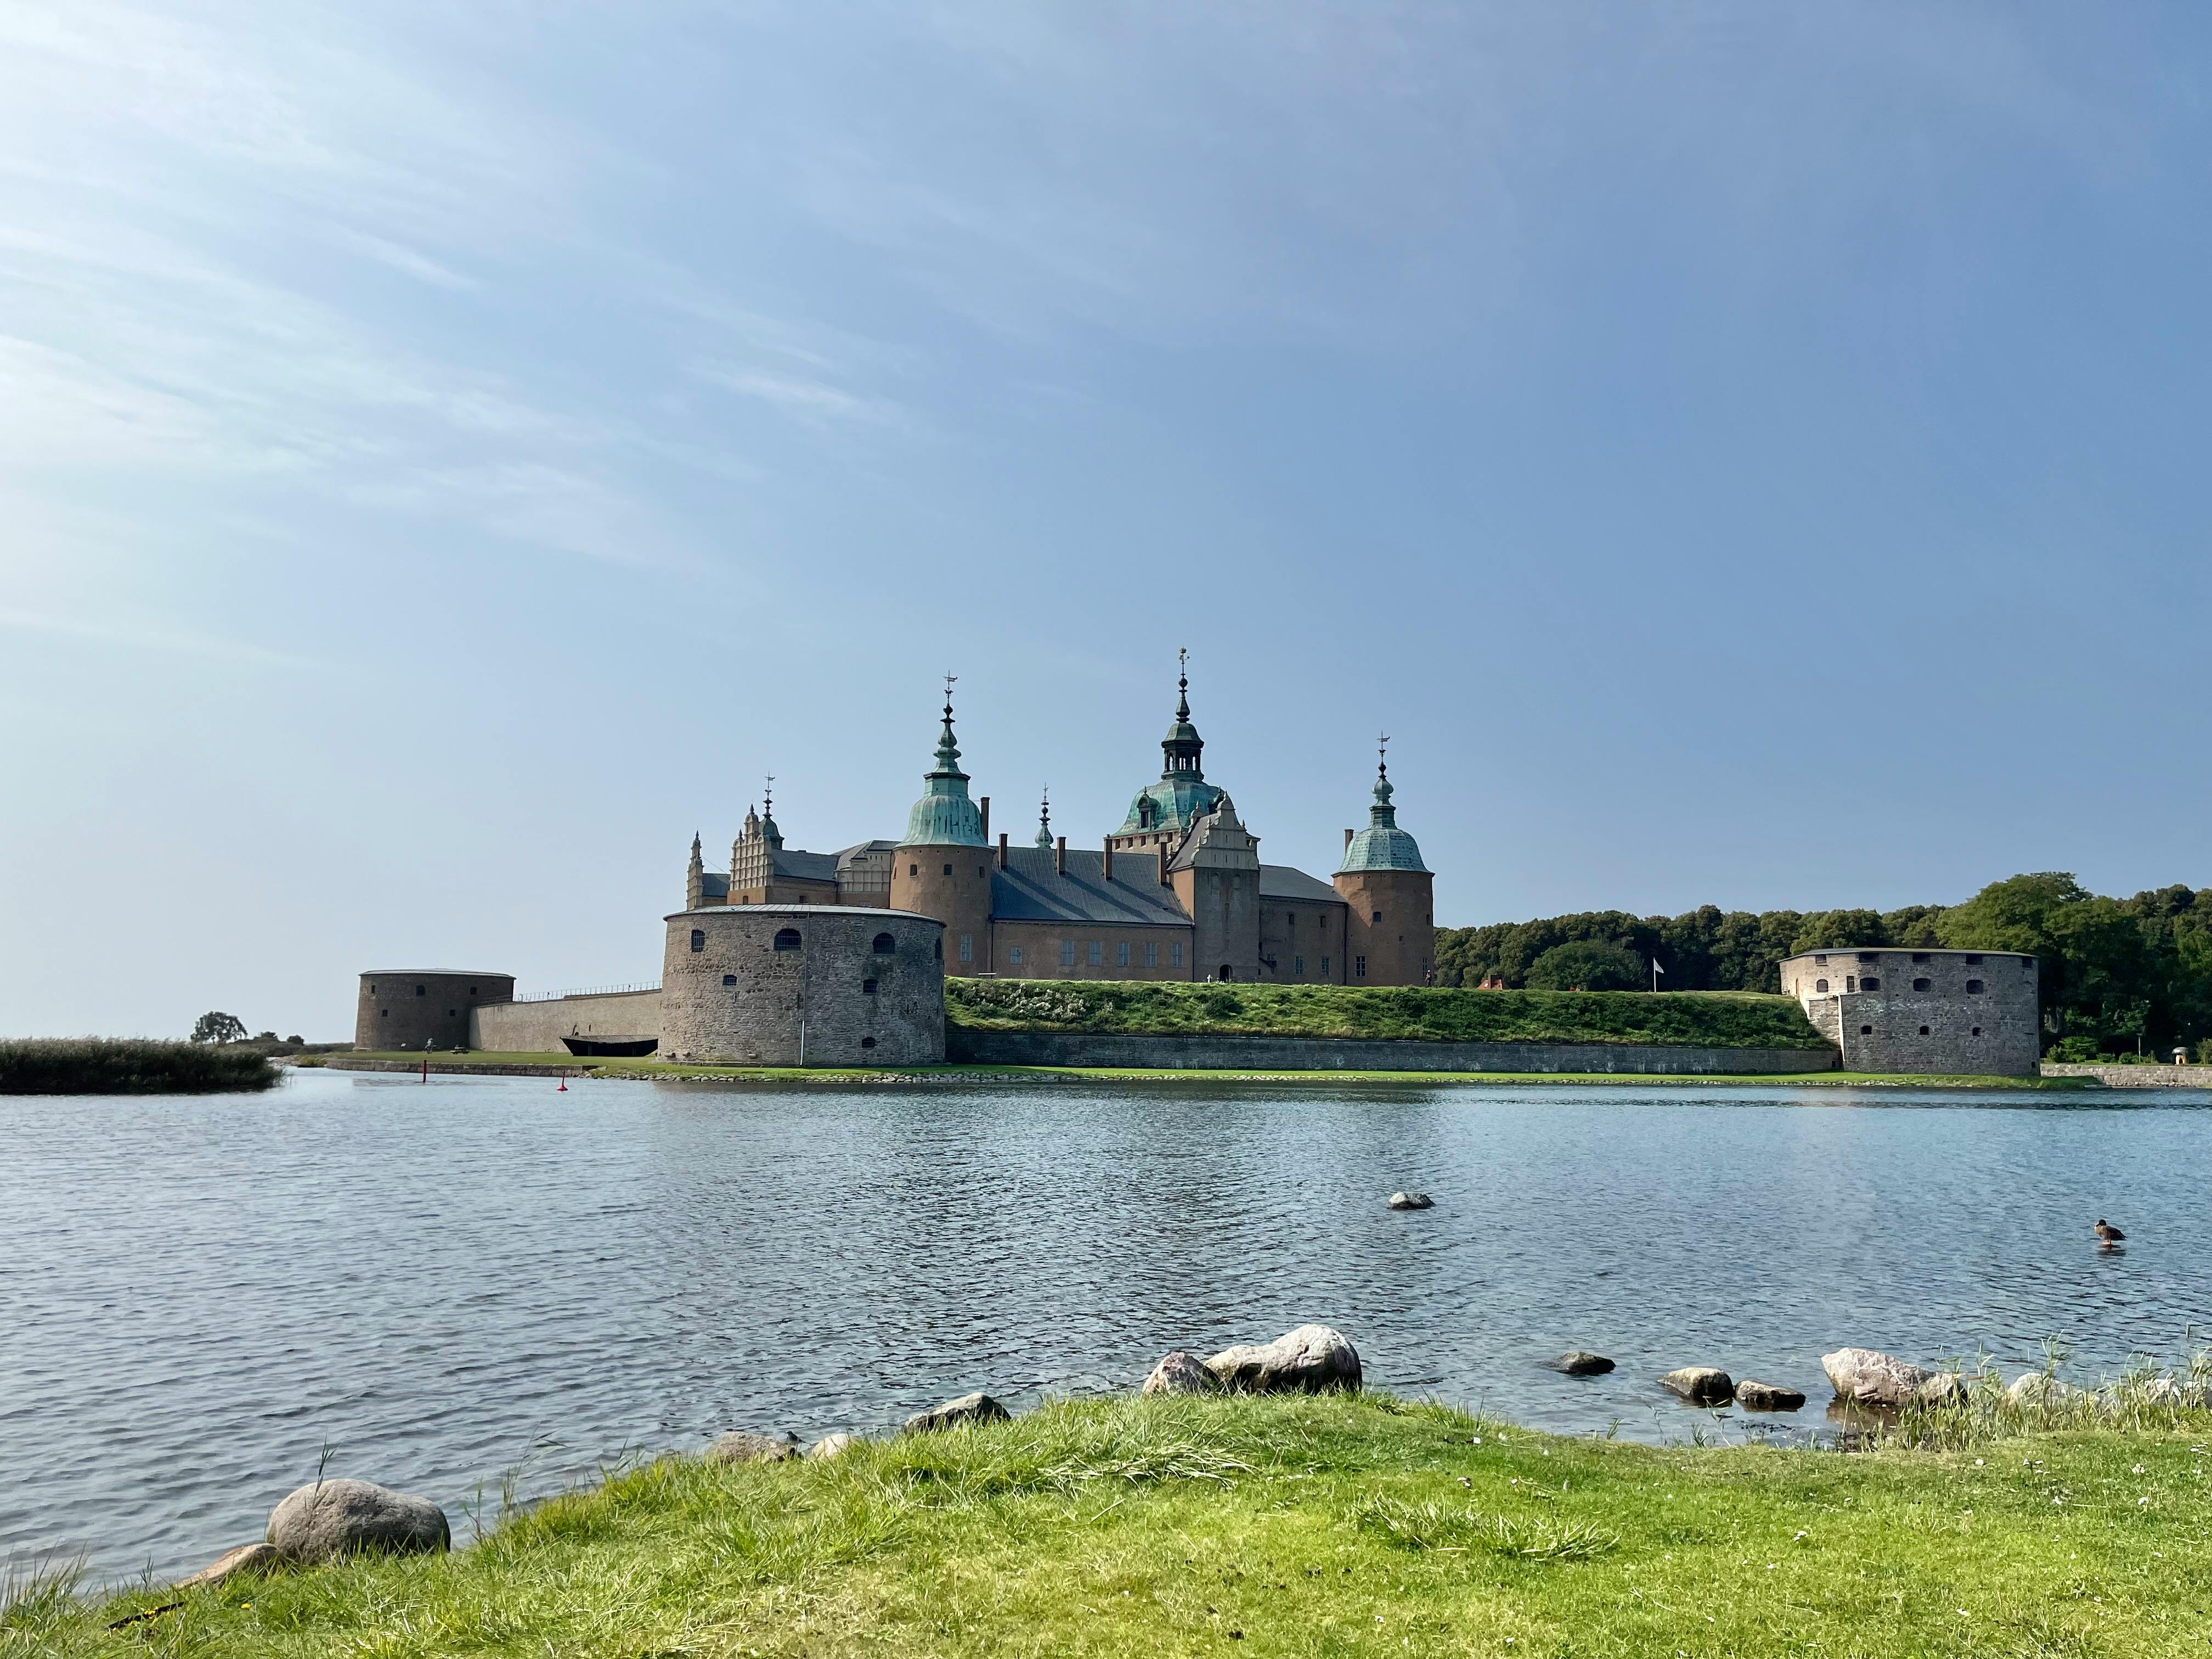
1390	929
1163	813
940	868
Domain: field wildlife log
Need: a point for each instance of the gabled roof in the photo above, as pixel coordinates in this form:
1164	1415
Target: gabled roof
803	866
1031	888
713	886
1280	881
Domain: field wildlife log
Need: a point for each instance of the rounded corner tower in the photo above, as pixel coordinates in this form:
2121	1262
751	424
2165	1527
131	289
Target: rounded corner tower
1390	929
940	867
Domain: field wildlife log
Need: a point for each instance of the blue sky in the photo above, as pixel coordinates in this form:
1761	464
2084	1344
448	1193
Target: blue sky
1742	453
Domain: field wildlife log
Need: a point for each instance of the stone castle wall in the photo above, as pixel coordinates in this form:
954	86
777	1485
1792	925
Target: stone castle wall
537	1028
848	987
1954	1012
1237	1053
416	1008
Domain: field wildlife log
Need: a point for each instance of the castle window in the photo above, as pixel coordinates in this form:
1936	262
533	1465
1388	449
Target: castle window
1920	956
867	988
1869	983
914	869
1151	954
1014	956
1175	954
1923	984
383	1013
1866	1030
698	938
948	869
1850	982
1820	986
1227	973
1924	1031
1869	956
1973	987
1978	1031
885	945
939	949
472	990
1068	953
1324	967
1360	967
1298	965
1122	955
967	947
1378	918
729	979
422	990
786	939
1098	953
1822	962
1972	957
1294	922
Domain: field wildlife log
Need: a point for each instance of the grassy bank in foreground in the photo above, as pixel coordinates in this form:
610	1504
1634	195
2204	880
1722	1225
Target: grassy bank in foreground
650	1070
1309	1527
129	1065
1719	1019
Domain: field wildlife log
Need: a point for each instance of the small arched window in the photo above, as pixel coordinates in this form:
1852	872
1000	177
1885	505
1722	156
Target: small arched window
1924	1031
1973	987
1866	1030
1869	983
941	950
786	939
1821	986
698	938
948	869
867	988
1922	985
729	979
867	1042
885	945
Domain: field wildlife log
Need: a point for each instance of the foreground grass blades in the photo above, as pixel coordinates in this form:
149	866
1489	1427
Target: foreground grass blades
1310	1526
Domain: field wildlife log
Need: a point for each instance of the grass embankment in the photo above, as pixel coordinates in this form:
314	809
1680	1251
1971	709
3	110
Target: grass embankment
1717	1019
129	1065
1353	1525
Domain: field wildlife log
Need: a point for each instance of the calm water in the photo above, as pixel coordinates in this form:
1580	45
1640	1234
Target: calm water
446	1281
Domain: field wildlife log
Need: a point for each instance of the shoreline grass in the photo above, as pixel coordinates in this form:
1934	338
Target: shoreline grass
130	1066
1339	1525
663	1071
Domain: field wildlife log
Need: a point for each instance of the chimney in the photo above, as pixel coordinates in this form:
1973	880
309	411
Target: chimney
1109	860
1002	849
1165	879
1348	841
1060	855
987	817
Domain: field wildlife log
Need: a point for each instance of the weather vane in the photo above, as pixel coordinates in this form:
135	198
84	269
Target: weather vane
768	797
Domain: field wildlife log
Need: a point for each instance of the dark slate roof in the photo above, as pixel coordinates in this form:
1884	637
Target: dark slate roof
1031	889
713	886
805	866
1280	881
846	857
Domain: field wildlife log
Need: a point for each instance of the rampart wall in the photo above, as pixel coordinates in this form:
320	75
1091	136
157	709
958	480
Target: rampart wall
1237	1053
537	1028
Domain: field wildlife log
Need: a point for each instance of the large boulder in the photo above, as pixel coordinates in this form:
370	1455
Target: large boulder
1580	1362
1304	1361
1701	1385
1181	1373
978	1408
1757	1396
1411	1201
333	1518
1870	1377
740	1447
231	1564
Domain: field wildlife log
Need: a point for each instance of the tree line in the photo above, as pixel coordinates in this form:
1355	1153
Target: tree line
2115	972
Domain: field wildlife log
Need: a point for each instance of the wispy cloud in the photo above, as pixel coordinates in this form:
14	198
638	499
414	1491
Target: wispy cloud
140	636
406	259
810	399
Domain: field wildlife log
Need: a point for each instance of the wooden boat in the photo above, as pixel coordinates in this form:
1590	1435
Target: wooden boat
622	1047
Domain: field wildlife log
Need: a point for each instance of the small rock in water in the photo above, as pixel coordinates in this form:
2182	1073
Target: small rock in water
1874	1378
1411	1201
1580	1362
977	1408
1701	1385
1753	1395
1304	1361
833	1445
246	1558
740	1447
333	1518
1181	1373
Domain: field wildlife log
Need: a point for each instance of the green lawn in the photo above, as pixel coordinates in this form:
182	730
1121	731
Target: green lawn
1308	1527
1722	1019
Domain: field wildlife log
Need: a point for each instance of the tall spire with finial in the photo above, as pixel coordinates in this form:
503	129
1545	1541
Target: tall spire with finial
1182	746
945	816
1382	845
769	832
1044	819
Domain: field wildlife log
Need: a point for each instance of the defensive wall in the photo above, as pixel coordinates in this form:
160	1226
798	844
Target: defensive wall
1960	1011
2134	1077
803	984
1237	1053
537	1028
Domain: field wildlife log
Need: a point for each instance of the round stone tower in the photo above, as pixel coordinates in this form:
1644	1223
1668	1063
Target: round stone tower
1390	930
422	1007
803	984
940	867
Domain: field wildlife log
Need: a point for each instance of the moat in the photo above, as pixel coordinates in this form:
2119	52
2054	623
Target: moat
449	1280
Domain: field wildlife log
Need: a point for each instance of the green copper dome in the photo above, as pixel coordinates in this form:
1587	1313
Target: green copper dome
1382	845
1183	796
945	816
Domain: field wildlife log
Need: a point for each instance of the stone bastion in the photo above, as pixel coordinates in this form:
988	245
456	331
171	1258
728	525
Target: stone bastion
422	1007
803	984
1961	1011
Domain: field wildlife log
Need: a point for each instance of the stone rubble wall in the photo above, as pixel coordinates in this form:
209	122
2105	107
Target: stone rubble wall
1237	1053
537	1028
2136	1076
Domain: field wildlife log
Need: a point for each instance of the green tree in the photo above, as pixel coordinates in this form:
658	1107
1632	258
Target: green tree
213	1027
1587	965
1839	930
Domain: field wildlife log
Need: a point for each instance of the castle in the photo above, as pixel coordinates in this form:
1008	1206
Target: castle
1177	892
